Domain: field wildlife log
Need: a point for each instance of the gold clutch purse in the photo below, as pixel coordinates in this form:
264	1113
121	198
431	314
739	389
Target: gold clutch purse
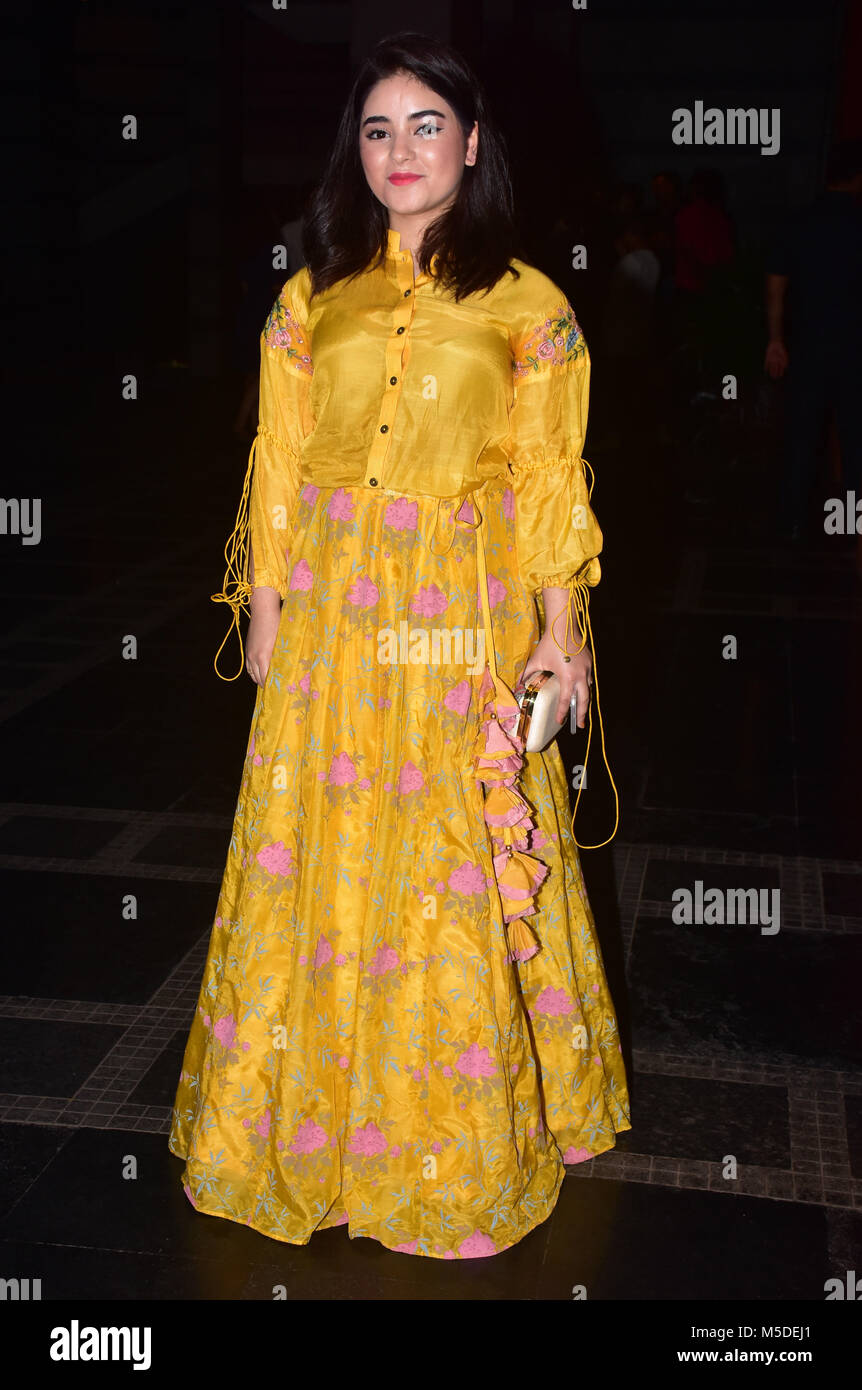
538	702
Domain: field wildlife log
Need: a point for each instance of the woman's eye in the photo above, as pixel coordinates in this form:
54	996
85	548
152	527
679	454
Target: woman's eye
429	129
370	135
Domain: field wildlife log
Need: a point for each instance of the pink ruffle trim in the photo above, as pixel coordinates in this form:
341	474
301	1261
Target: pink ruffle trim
498	759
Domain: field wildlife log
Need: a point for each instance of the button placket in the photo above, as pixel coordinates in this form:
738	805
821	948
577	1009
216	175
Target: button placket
402	317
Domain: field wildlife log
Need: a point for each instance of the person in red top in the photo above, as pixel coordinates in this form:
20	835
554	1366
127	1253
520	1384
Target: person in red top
704	233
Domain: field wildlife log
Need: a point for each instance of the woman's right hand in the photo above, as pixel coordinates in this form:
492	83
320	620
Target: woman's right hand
262	632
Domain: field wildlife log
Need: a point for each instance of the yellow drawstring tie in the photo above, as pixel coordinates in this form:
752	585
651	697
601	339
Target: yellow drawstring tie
579	595
237	591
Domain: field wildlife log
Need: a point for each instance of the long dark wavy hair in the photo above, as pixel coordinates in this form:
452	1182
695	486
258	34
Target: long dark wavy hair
345	226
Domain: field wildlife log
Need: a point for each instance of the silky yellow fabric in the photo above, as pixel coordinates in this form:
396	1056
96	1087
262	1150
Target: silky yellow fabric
364	1052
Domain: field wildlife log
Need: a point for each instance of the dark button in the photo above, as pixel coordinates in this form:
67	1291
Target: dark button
372	482
400	330
384	429
392	380
406	294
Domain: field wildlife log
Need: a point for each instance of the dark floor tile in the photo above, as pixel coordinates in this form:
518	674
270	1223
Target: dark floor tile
41	1058
83	1199
640	1241
24	1151
845	1243
95	701
449	1281
191	846
729	990
362	1264
664	876
75	1272
853	1117
694	1118
748	832
210	794
123	962
159	1085
135	767
57	837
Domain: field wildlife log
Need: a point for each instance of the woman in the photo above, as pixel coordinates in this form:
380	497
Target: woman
404	1024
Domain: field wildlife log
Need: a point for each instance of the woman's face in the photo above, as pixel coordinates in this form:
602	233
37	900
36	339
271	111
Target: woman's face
412	147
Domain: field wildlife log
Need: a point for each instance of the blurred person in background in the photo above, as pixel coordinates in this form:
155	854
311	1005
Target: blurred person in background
628	331
813	305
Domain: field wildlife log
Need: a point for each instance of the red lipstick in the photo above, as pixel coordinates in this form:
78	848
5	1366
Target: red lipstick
404	178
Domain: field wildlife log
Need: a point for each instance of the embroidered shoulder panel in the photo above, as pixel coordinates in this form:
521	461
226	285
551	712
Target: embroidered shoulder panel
553	343
282	331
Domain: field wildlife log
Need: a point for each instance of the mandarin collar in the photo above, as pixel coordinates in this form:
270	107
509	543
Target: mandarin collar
394	252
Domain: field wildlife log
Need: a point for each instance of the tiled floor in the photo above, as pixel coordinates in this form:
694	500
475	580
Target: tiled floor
742	1174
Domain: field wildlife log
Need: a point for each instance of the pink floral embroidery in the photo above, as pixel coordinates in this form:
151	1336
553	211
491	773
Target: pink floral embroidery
573	1155
277	858
476	1061
363	593
342	771
262	1126
341	506
225	1031
385	960
496	591
282	331
509	504
310	494
304	683
553	1001
554	342
468	878
410	779
308	1138
369	1140
429	601
302	578
476	1245
458	698
402	515
323	954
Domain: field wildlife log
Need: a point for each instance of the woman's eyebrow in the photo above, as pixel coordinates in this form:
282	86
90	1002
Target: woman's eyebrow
414	115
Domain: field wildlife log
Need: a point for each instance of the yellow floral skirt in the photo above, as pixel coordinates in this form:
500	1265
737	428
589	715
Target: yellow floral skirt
363	1052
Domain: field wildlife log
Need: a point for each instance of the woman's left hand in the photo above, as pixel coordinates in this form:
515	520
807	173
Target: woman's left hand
575	676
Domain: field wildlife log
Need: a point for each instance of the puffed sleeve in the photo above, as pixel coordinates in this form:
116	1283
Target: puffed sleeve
558	536
273	475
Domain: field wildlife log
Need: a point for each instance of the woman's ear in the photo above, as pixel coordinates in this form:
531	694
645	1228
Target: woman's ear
472	145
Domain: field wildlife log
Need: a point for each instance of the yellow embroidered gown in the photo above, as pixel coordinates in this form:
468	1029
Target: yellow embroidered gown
370	1046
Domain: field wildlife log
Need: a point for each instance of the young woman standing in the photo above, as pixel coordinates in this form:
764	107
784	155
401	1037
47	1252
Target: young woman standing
404	1024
